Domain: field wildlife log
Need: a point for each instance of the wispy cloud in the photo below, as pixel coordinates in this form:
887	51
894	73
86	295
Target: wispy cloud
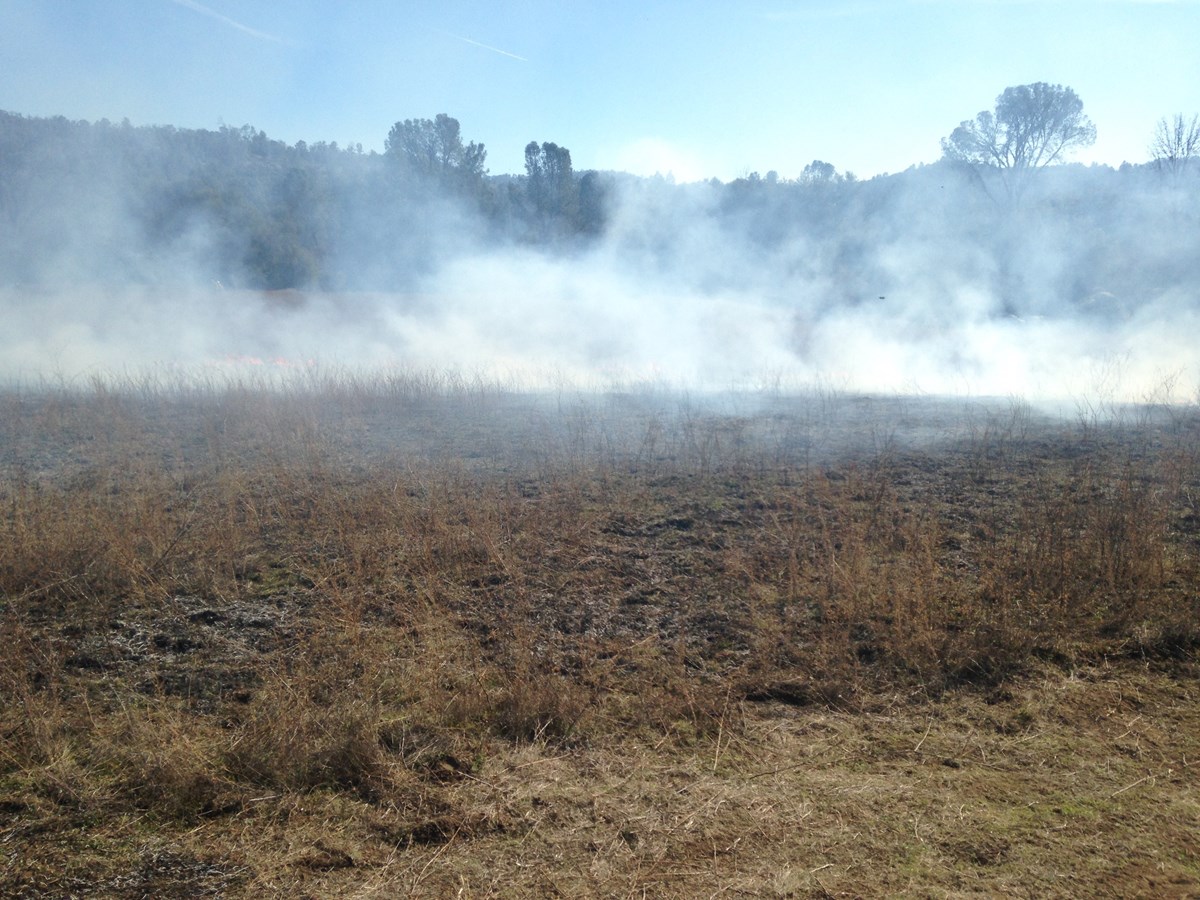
467	40
232	23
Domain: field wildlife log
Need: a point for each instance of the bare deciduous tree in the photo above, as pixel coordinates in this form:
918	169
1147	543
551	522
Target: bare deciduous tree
1176	143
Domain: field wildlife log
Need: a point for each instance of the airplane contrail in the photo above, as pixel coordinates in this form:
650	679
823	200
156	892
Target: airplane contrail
204	10
485	46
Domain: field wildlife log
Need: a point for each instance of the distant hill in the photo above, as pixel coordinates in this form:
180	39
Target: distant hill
116	204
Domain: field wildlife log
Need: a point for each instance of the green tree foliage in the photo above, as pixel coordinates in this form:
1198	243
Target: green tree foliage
818	172
433	149
1033	125
593	211
551	189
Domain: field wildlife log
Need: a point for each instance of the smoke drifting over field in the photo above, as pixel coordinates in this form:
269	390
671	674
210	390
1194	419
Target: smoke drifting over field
919	282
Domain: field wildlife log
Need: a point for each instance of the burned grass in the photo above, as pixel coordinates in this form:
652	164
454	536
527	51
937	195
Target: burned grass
433	637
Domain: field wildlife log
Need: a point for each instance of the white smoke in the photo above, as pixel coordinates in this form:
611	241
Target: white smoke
676	292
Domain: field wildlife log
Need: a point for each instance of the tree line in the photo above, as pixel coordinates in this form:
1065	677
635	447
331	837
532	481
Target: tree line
124	203
104	201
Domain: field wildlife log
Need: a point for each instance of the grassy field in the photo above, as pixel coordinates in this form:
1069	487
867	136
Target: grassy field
424	635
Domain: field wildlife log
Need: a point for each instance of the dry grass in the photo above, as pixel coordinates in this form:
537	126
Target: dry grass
423	635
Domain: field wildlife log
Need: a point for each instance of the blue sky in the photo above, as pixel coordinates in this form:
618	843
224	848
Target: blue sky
698	89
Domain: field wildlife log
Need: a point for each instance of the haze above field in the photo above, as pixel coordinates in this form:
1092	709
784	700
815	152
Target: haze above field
455	188
699	89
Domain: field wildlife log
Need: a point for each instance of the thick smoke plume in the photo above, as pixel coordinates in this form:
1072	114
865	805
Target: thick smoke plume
922	282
